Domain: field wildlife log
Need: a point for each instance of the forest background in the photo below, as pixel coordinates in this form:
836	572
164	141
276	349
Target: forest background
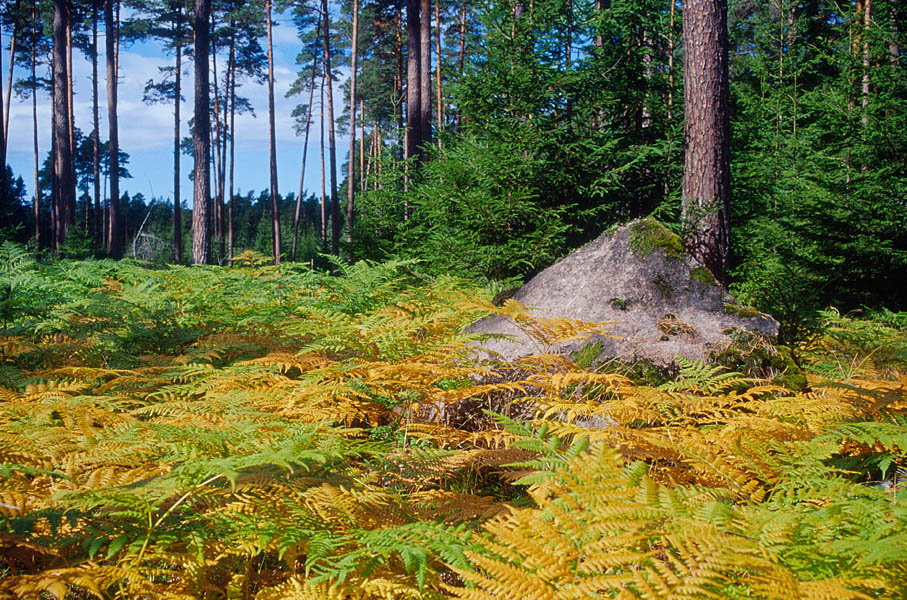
547	124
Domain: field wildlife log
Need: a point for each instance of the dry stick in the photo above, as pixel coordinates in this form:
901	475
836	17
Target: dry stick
305	145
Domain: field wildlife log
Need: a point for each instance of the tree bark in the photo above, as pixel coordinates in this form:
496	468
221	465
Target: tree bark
115	233
275	206
9	87
216	164
96	123
706	171
64	186
425	77
232	75
201	231
69	93
332	145
297	215
867	23
178	85
413	76
351	171
34	108
438	70
324	218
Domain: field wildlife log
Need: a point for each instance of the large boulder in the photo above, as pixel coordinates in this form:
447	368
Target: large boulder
661	302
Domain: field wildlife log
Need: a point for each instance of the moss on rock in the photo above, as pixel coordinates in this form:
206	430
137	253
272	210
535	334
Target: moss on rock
703	276
649	235
586	355
744	312
755	356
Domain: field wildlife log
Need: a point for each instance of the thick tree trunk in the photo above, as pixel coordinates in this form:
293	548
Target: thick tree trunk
201	231
275	206
413	80
64	186
96	124
706	171
178	90
425	76
332	145
351	171
115	235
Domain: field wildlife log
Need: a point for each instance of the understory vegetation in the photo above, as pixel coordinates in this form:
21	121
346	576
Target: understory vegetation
280	433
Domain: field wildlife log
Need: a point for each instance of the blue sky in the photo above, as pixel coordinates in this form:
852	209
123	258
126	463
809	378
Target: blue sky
146	131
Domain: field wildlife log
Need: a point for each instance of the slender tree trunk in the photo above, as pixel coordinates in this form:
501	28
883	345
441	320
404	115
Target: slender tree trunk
706	180
9	88
216	155
34	108
232	141
63	182
96	124
115	236
413	85
438	70
351	171
332	145
69	94
178	91
3	137
361	146
201	232
399	86
425	77
324	221
894	51
275	198
297	215
461	56
867	23
671	62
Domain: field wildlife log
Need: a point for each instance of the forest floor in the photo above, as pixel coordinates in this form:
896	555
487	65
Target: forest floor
279	433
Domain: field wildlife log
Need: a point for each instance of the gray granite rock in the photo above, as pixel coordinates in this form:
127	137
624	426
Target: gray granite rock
661	302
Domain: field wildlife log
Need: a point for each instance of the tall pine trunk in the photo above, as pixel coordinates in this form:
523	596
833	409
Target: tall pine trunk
9	86
96	124
232	99
34	109
332	145
64	186
217	164
115	233
425	76
324	218
69	91
272	133
438	70
706	169
201	232
413	84
178	91
297	215
350	176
